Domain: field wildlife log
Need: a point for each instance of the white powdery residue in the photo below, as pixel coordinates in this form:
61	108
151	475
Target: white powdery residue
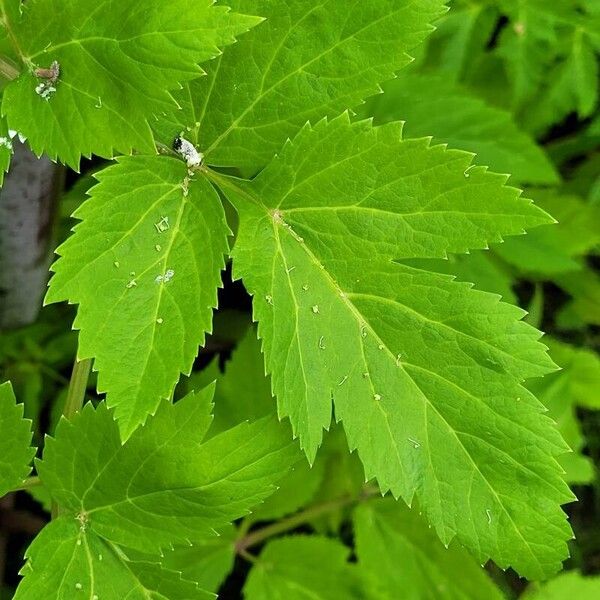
186	149
6	143
45	90
169	274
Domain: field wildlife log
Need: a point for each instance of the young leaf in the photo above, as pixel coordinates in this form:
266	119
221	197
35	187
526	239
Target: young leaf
144	265
15	442
114	64
67	560
163	486
424	372
402	558
307	60
432	106
301	567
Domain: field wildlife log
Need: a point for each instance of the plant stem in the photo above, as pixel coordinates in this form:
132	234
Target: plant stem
260	535
7	69
77	387
75	398
29	483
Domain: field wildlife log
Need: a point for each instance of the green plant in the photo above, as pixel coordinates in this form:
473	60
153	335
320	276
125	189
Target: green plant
340	229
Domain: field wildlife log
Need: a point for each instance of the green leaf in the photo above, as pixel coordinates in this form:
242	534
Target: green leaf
163	486
584	308
479	268
462	34
302	567
583	368
527	46
6	149
144	266
15	442
556	391
424	372
118	61
67	560
555	248
566	586
243	392
308	60
404	559
207	561
573	87
433	106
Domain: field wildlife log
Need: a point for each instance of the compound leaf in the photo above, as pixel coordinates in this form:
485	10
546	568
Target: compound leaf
163	486
301	567
67	560
425	373
144	266
308	60
117	61
15	441
404	559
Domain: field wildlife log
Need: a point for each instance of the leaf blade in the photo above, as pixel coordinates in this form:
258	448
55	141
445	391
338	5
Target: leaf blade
144	266
425	373
15	442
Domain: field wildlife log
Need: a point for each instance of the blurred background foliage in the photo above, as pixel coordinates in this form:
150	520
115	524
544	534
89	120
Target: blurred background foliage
517	83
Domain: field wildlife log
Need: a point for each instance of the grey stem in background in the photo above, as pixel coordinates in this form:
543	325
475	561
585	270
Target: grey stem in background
27	207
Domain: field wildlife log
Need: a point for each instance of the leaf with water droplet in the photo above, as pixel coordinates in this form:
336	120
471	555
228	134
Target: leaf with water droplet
446	361
179	491
137	204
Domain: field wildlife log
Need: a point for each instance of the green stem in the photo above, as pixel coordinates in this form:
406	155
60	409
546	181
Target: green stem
75	398
77	387
4	20
8	70
260	535
29	483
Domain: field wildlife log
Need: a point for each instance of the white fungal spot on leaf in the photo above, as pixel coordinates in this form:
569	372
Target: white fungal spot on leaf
315	309
6	143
